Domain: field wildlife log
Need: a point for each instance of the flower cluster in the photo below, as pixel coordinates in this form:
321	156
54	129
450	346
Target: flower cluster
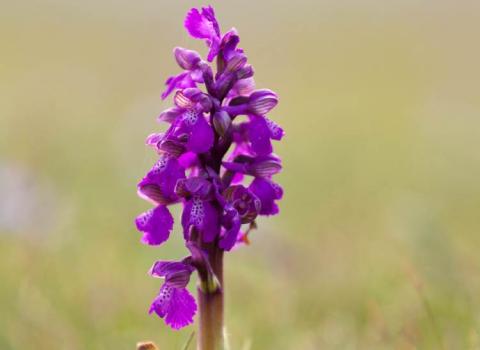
215	158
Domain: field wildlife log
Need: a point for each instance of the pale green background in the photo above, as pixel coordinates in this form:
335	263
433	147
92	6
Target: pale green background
377	245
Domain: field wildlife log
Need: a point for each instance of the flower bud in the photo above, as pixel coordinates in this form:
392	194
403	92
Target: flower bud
224	84
244	87
262	101
221	122
186	59
236	62
245	72
265	168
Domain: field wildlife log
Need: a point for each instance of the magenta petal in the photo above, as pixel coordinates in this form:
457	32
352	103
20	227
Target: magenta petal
158	185
267	191
211	225
259	135
214	49
180	81
203	216
155	224
163	268
182	309
176	305
176	273
201	136
230	236
276	132
202	25
188	160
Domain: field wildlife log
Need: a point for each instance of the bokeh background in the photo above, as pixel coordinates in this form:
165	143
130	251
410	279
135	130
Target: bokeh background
377	245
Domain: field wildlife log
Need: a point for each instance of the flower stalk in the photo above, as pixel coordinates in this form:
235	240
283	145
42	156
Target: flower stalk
211	302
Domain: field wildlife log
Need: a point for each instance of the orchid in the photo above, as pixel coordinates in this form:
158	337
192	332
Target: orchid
219	166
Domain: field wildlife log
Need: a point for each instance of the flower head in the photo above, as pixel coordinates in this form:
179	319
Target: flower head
218	165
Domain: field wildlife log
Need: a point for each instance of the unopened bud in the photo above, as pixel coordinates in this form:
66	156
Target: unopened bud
221	122
186	59
245	72
262	101
236	62
265	168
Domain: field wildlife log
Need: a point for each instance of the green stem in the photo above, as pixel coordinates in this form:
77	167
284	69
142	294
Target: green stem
210	332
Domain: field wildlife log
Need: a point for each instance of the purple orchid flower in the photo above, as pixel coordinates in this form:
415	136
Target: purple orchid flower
174	302
219	168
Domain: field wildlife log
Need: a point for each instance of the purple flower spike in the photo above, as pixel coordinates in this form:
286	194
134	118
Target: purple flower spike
217	165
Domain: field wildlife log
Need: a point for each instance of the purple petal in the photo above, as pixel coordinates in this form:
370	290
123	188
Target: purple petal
155	224
202	25
176	305
201	136
265	166
159	183
169	115
188	160
195	186
262	101
276	132
259	135
230	236
243	87
180	81
203	216
163	268
177	274
267	191
229	44
214	49
209	14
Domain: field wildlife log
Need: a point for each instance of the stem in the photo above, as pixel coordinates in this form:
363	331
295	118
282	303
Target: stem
210	332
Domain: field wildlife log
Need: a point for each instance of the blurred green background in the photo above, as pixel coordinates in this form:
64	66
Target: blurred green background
377	245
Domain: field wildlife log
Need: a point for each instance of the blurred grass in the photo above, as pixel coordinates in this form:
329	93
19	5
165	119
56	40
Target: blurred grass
380	102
